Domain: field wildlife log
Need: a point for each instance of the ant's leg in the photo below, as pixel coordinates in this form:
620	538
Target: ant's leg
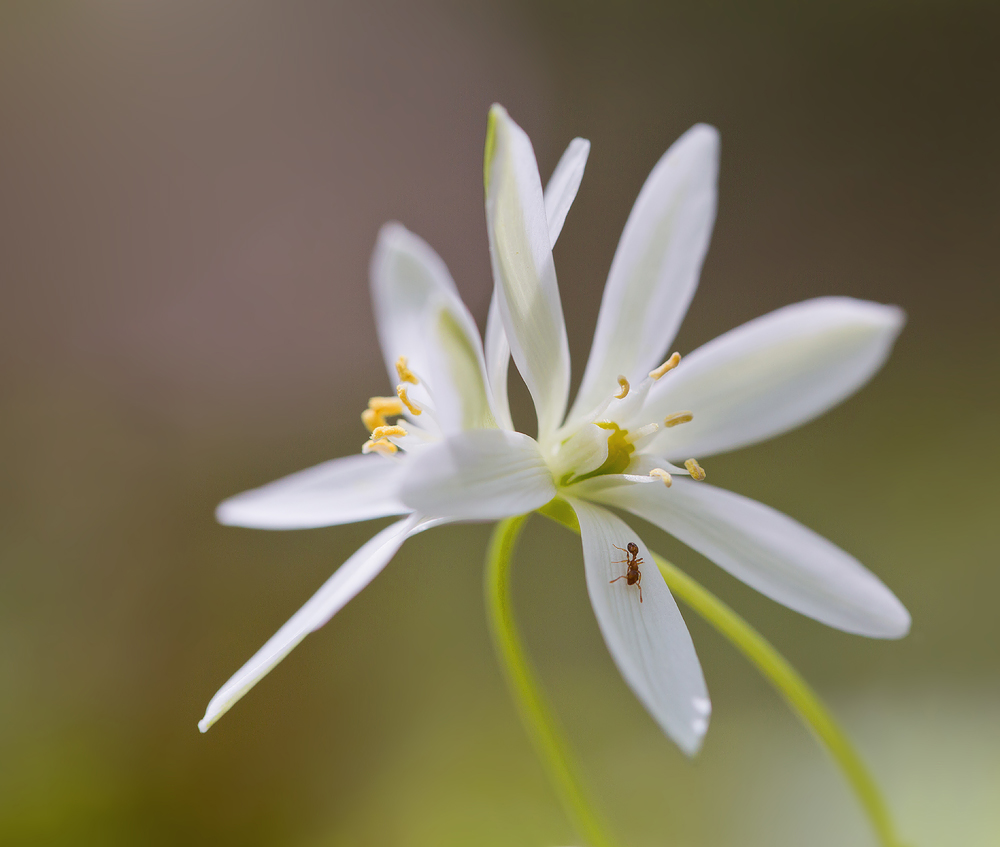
616	579
639	583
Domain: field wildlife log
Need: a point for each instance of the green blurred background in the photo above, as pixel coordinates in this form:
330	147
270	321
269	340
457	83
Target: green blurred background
189	194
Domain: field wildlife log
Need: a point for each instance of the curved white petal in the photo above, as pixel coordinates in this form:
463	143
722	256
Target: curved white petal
419	315
648	641
497	362
559	195
560	191
345	583
772	374
354	488
523	271
770	552
480	475
655	270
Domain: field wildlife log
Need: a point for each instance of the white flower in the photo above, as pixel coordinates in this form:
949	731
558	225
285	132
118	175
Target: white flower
453	455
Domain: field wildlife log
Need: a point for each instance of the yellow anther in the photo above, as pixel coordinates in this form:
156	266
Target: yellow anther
372	419
662	474
697	471
624	392
385	405
668	365
381	432
386	448
401	391
677	418
405	374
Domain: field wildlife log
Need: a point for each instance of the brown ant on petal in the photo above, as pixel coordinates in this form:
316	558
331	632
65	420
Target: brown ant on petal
632	575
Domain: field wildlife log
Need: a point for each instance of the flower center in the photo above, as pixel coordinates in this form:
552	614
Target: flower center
385	437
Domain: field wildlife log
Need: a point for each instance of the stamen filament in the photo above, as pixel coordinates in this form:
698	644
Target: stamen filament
635	434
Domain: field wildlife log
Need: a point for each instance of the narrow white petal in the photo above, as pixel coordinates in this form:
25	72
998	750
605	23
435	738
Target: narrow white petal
772	374
523	271
479	475
354	488
345	583
655	270
648	641
560	192
497	362
559	195
770	552
419	315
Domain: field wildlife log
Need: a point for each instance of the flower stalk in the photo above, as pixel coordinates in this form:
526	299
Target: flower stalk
537	716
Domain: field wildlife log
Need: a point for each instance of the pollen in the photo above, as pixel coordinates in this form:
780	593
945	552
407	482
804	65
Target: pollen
659	473
697	471
378	407
621	395
405	374
668	365
382	445
406	401
677	418
381	432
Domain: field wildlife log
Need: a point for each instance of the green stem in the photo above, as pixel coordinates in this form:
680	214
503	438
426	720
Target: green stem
776	669
535	712
792	687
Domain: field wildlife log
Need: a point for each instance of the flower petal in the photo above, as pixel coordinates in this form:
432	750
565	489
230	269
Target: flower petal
560	192
772	374
354	488
648	641
523	271
345	583
655	270
419	315
497	362
559	195
770	552
479	475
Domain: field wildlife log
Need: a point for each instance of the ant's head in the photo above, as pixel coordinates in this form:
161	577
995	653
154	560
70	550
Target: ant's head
632	548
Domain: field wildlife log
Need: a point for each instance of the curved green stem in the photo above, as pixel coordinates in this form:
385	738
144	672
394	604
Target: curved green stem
792	687
535	712
796	692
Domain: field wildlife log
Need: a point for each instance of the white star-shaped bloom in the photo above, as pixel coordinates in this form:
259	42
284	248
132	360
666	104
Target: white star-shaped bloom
443	448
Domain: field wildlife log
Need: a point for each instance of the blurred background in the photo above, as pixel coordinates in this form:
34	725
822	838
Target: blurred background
189	195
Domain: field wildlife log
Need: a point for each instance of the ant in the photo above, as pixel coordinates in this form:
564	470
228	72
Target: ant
632	576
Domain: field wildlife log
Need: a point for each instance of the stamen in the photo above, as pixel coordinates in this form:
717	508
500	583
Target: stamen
401	391
697	471
378	407
372	419
382	445
385	405
381	432
405	374
624	392
668	365
677	418
635	434
659	473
